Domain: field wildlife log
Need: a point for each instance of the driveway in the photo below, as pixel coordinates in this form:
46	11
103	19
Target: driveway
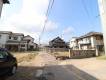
87	67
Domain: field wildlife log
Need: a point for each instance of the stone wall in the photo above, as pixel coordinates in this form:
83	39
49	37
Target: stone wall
82	53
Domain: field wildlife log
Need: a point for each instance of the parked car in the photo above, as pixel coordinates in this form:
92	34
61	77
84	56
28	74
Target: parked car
8	63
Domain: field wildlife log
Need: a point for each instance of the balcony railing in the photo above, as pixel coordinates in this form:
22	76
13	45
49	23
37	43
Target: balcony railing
85	42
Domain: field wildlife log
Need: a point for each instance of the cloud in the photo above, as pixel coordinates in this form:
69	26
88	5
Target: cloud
30	19
68	30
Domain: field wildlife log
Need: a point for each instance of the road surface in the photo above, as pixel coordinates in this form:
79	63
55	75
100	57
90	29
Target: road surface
50	67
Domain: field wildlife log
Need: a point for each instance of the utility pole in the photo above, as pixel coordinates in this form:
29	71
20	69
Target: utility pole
102	9
1	4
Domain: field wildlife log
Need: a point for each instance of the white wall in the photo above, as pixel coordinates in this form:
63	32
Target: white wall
1	5
93	42
4	38
19	38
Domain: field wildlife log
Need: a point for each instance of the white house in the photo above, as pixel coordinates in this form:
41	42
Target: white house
91	40
1	4
16	41
30	42
73	43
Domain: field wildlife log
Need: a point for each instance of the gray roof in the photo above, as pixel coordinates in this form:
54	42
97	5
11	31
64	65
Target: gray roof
5	32
9	32
90	34
57	38
28	36
18	34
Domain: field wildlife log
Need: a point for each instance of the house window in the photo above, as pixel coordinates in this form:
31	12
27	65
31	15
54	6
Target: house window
15	38
22	45
9	37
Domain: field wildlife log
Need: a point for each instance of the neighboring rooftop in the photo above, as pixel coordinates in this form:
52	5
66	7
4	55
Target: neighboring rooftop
18	34
9	32
90	34
28	36
5	32
57	38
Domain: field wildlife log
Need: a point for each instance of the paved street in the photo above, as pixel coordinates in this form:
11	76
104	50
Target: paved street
51	69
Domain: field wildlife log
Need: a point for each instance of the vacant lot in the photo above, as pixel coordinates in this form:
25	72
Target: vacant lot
26	70
24	56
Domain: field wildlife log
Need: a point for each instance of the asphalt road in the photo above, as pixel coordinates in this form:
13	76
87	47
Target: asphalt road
56	71
51	69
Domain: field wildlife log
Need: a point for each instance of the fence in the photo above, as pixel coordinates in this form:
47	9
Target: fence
52	50
82	53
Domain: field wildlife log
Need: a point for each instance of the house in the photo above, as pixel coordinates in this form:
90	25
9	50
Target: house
30	42
73	43
1	4
16	41
91	40
58	43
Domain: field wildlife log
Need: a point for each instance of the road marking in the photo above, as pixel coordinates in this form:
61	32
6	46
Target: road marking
39	72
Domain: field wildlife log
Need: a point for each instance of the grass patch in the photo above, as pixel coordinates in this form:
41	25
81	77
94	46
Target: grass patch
101	58
25	56
66	54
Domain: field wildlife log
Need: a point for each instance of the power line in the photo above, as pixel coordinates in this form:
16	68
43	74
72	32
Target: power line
85	7
50	5
87	12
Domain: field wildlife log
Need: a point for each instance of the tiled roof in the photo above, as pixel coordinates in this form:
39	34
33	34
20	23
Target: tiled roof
28	36
9	32
90	34
57	38
18	34
5	32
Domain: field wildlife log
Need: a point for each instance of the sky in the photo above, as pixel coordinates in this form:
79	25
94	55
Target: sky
67	18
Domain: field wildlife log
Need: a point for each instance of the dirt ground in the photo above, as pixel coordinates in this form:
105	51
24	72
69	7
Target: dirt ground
92	66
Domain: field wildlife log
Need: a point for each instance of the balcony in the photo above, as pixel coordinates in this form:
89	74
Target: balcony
84	42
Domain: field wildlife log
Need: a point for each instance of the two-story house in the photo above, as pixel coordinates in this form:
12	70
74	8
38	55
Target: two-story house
58	43
91	40
16	41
